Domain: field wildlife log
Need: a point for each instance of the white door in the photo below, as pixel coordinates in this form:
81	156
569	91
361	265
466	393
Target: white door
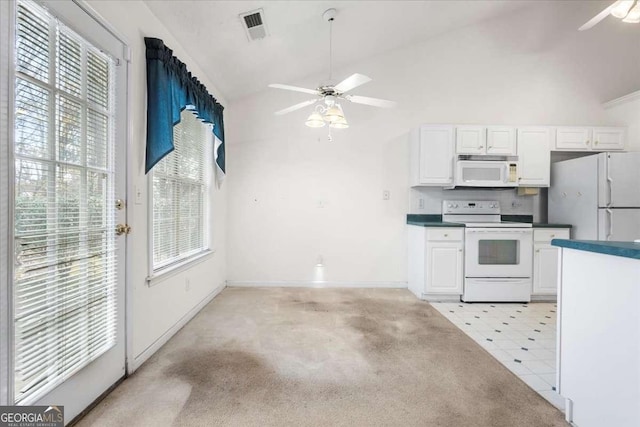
622	176
444	268
534	156
68	145
436	153
470	140
501	140
545	269
621	225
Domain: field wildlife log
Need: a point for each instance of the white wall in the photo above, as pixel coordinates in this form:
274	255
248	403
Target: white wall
521	69
155	310
626	111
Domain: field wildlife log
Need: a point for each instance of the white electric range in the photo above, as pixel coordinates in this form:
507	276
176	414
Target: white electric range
498	256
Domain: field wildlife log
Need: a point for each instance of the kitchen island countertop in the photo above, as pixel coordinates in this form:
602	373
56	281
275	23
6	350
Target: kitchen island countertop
622	249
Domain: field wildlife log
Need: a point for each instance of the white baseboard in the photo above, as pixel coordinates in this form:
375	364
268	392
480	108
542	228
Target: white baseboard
137	361
544	298
312	284
441	297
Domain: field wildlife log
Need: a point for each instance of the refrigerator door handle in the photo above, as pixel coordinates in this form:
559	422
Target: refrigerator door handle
609	182
610	227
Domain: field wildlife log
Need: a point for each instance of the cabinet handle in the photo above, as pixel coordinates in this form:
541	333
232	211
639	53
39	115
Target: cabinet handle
537	250
553	235
586	142
479	147
596	143
491	146
446	235
459	250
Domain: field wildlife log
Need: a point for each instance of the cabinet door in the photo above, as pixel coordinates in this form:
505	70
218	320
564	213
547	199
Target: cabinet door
470	140
436	154
608	138
501	140
444	268
573	139
534	156
545	269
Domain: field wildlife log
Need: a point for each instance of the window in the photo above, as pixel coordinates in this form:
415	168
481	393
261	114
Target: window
65	253
181	196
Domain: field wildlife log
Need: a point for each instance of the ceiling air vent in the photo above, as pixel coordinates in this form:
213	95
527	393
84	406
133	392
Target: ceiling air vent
254	24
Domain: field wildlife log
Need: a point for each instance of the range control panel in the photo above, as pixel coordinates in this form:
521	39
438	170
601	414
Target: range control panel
470	207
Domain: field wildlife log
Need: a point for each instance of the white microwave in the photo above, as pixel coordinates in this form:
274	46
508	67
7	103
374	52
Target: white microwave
486	171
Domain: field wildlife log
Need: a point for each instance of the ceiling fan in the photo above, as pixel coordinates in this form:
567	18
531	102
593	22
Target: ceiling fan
627	10
328	95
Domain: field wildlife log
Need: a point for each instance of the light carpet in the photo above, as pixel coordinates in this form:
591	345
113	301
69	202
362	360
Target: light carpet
322	357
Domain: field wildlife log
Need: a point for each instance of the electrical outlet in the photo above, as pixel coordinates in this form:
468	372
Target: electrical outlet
187	285
386	195
420	203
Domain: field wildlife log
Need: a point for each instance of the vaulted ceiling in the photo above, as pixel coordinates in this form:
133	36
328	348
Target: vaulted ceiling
298	42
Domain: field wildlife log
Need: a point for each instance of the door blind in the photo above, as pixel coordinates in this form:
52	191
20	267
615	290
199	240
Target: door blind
179	195
65	253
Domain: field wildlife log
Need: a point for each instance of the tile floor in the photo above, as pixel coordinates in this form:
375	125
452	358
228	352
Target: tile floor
521	336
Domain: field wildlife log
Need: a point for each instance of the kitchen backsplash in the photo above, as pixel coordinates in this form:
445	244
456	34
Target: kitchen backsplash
510	202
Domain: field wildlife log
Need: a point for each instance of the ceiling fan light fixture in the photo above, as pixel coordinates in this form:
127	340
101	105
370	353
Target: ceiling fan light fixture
339	124
633	17
315	120
621	9
334	114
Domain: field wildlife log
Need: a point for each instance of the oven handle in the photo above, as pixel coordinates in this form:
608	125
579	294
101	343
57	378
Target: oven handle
499	231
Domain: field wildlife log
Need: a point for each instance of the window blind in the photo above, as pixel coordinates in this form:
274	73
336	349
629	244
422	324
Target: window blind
65	260
180	194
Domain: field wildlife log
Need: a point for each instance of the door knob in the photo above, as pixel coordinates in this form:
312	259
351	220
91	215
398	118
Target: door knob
123	229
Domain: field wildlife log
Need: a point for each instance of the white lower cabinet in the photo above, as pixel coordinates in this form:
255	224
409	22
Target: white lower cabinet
436	260
545	261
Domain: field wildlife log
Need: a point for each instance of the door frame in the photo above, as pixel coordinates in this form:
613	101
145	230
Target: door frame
7	174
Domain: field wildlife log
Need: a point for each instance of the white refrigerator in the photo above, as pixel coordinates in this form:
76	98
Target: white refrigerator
599	195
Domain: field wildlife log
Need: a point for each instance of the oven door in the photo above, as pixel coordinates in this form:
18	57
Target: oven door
498	252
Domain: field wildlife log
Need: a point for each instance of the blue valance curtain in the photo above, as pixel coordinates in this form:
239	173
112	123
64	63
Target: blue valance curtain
170	89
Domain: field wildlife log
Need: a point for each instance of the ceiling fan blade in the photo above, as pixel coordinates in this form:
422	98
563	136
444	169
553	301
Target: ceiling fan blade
599	17
351	82
375	102
296	107
294	88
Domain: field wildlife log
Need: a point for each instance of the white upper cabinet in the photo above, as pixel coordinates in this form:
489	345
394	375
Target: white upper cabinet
501	140
485	140
573	138
608	138
432	149
534	156
471	139
585	138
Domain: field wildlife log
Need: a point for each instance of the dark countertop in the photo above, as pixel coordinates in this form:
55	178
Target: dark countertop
529	219
434	220
428	220
622	249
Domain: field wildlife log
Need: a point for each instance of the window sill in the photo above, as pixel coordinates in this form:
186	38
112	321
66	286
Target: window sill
170	271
